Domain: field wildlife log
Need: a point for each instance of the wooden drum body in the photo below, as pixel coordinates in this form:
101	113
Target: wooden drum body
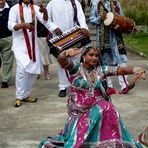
119	23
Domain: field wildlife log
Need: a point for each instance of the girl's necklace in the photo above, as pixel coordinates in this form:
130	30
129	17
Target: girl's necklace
91	77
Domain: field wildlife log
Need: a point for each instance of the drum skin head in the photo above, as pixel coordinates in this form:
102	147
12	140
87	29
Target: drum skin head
109	18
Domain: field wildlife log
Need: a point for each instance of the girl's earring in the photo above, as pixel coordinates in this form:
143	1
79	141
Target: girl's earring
84	60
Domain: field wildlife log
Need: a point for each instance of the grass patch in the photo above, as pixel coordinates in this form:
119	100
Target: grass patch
138	42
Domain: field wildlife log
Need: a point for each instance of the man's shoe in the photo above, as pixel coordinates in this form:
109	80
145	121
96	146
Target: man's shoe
62	93
4	85
30	99
17	103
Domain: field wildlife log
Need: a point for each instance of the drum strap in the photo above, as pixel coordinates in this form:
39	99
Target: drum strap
116	10
75	12
85	40
103	31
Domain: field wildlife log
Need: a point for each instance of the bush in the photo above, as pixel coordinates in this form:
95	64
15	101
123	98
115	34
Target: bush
137	10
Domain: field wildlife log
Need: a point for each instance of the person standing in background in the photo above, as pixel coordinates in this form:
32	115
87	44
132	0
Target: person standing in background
109	41
42	33
85	4
23	22
6	53
12	2
64	15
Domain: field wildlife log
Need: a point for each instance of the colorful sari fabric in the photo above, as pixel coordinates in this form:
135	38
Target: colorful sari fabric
92	120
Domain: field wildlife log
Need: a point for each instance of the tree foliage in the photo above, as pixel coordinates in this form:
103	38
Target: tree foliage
137	10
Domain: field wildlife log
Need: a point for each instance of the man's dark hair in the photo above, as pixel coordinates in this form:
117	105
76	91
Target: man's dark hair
12	2
20	1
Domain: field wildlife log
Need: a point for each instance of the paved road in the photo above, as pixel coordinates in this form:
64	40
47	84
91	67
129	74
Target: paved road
25	126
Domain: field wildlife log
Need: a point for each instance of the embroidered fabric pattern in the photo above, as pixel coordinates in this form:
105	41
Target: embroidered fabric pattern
91	77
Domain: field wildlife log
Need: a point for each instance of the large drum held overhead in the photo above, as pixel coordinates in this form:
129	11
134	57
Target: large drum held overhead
119	23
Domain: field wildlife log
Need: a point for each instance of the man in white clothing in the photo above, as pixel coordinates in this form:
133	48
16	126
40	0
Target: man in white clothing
22	22
63	15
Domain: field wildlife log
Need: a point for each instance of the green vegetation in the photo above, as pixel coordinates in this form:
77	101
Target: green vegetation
137	10
137	42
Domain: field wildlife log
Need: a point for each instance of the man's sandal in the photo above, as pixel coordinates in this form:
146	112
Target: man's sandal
30	99
17	103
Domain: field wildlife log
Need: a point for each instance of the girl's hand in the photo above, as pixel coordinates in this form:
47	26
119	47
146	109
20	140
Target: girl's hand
139	73
103	17
72	52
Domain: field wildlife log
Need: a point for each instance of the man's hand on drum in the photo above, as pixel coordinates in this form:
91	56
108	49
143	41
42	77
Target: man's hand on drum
58	31
136	29
103	17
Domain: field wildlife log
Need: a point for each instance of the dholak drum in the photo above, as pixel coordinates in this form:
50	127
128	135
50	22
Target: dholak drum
119	23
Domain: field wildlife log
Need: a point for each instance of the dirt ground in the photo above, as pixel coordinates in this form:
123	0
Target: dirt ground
24	127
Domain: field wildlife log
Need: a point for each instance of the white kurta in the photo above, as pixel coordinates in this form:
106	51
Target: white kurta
19	45
61	13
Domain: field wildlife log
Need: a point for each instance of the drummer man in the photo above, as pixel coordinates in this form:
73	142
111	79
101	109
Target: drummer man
110	42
